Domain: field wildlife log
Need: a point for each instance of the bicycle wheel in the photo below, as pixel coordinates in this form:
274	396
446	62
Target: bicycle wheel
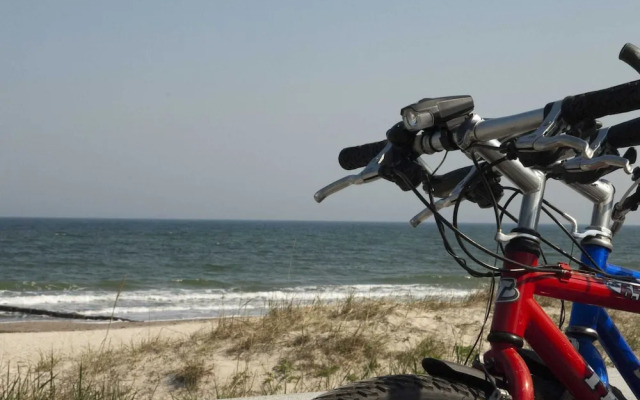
405	387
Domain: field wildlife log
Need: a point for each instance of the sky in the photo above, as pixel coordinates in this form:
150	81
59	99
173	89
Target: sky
238	109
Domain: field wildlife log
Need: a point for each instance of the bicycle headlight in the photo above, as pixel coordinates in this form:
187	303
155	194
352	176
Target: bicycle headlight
416	120
431	112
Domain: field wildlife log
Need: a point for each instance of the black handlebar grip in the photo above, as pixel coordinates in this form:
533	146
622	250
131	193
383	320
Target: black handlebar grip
625	134
630	54
359	156
592	105
630	203
442	185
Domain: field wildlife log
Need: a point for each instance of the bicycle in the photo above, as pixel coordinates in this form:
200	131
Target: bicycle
557	141
589	323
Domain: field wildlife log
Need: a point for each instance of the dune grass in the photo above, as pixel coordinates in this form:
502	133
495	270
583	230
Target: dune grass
289	349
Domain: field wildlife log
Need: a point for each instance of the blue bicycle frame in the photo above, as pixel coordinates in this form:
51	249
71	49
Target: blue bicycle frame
588	323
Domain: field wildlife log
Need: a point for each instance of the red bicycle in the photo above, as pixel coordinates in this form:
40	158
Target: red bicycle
561	141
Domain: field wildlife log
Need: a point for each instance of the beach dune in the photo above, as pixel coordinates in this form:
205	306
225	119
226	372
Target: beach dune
290	349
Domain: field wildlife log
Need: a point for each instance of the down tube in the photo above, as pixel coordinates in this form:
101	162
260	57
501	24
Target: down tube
562	358
584	319
608	334
619	351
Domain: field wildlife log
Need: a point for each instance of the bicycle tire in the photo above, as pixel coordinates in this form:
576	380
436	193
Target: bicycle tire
405	387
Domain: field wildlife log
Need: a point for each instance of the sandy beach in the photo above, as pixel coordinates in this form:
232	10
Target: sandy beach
290	349
25	343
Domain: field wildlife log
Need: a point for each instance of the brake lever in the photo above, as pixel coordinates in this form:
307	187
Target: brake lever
620	210
547	136
368	174
445	202
580	164
550	126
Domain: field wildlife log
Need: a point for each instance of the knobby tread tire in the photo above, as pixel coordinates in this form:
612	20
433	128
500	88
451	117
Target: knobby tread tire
405	387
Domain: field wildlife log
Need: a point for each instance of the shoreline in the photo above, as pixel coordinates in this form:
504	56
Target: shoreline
82	325
194	304
71	324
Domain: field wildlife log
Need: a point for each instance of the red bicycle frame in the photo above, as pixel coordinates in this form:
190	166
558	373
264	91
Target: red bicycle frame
518	316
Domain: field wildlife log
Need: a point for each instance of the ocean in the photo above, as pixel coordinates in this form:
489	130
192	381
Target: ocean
165	270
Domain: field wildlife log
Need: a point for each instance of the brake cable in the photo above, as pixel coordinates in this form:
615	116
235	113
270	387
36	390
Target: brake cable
440	223
542	238
554	269
487	313
589	268
446	153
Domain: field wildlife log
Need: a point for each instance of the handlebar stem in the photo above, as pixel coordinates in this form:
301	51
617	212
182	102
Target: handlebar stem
600	193
526	179
532	203
530	181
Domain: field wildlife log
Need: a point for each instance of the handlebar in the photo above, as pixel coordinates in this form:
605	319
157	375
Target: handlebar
631	55
625	134
546	130
600	103
369	174
359	156
443	185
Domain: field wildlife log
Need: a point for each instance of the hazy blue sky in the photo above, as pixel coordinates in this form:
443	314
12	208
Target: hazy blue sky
238	109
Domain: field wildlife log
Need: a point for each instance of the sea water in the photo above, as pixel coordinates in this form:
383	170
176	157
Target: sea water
165	269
